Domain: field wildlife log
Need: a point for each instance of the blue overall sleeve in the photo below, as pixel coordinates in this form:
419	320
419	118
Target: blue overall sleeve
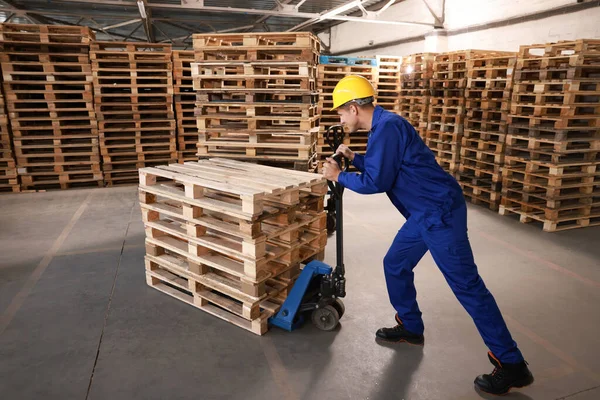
381	162
359	162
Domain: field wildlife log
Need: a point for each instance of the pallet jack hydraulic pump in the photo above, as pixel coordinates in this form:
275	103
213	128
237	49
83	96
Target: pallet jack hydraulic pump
319	287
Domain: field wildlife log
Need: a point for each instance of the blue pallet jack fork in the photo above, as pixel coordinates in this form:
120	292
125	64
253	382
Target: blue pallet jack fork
319	287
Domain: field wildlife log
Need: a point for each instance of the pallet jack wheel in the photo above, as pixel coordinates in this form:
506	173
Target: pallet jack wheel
326	318
338	304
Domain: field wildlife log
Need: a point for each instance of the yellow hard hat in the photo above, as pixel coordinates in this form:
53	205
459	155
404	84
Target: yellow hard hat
351	87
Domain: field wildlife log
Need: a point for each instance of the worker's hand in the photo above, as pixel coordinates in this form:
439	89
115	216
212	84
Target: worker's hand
346	152
331	169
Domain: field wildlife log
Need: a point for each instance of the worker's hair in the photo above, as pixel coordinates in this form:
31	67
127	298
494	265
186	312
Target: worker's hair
359	102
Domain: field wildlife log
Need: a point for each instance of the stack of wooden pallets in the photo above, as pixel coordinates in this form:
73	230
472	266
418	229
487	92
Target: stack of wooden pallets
447	106
388	82
229	237
133	95
185	102
48	88
331	70
8	170
256	97
415	75
487	95
552	163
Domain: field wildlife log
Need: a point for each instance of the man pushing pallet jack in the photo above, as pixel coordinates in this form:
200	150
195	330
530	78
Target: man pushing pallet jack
398	163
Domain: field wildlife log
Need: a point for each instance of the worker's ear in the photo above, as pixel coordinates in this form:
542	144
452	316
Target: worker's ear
354	109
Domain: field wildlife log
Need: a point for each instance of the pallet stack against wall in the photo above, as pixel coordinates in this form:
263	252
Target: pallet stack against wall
8	169
552	162
416	72
388	82
330	71
228	237
185	103
48	89
489	84
447	107
256	97
133	96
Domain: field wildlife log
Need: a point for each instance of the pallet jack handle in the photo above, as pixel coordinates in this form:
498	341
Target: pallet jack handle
335	137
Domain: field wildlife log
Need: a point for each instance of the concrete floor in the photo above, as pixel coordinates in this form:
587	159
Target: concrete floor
77	320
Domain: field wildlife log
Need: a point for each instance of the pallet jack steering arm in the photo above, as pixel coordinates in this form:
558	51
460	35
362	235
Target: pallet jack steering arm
335	137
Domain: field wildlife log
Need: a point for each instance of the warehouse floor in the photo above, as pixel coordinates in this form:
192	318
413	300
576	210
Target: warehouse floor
77	320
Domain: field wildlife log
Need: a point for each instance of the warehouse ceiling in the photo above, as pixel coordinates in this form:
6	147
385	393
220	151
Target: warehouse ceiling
174	21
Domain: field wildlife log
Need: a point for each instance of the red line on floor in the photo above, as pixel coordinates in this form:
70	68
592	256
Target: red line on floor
532	256
551	348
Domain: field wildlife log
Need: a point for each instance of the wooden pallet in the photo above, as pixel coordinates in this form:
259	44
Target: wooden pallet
347	61
480	169
273	82
566	222
229	237
546	154
479	194
66	36
274	110
558	48
328	72
298	46
64	180
220	122
275	40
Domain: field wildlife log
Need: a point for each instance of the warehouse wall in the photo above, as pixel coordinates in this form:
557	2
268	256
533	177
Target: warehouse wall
463	22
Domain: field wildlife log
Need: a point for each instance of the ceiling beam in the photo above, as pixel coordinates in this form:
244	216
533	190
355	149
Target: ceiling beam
338	10
162	32
266	17
20	11
439	22
134	31
288	11
369	17
101	29
120	24
146	14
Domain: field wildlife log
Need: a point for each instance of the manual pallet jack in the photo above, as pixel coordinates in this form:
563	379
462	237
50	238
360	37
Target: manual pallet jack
319	287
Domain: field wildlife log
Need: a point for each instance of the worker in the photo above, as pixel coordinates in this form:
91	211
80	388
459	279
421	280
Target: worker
397	162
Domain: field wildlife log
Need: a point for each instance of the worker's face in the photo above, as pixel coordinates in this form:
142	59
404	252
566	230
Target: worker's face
349	116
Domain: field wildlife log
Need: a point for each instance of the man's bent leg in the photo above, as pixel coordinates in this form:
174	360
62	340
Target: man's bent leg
405	252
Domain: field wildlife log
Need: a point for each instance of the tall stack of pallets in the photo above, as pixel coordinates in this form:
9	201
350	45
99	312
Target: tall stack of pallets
552	162
488	93
256	97
331	69
388	82
447	106
228	237
48	88
185	103
415	75
8	169
133	96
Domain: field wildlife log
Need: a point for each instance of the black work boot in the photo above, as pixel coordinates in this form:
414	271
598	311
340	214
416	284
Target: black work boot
398	334
504	377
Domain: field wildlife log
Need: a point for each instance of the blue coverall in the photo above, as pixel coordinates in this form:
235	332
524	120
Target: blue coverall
399	163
